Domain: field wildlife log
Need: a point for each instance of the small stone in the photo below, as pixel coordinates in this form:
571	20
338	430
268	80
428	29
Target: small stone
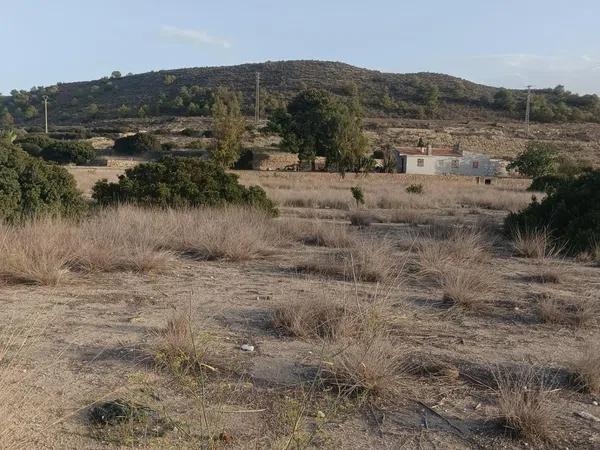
477	406
247	348
595	403
320	414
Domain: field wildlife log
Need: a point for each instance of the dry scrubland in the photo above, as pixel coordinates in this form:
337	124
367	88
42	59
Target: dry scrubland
425	327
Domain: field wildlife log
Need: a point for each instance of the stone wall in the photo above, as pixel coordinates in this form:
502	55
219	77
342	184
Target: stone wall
273	160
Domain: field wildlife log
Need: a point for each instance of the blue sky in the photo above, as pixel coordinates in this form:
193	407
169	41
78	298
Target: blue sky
499	42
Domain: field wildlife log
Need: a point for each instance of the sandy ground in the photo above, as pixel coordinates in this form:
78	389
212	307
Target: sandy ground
93	338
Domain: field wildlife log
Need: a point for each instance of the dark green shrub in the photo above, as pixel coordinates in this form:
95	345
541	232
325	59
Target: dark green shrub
358	195
30	187
137	144
180	182
41	141
548	183
415	189
378	154
69	152
168	146
571	213
195	145
245	161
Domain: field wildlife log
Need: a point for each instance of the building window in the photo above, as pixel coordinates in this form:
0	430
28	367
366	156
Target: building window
455	163
475	164
420	162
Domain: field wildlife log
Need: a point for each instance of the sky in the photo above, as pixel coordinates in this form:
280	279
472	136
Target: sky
509	43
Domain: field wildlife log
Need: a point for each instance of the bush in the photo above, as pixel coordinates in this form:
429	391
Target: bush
571	213
180	182
168	146
69	152
29	187
136	144
415	189
358	195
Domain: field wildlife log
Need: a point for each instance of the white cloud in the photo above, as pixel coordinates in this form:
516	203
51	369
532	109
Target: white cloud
576	72
194	37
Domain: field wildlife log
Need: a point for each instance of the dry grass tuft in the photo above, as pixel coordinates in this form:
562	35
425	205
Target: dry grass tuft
466	287
534	244
367	368
232	234
545	275
369	259
450	247
37	252
321	234
122	239
453	259
361	218
587	370
180	350
334	316
524	403
314	318
574	312
410	216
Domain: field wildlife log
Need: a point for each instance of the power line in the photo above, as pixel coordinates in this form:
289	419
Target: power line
45	97
257	104
528	108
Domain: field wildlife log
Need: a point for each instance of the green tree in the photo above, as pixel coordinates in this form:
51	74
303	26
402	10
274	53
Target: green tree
92	110
30	112
180	182
7	121
228	127
317	124
30	187
143	111
136	144
168	80
69	152
504	100
539	159
123	110
571	214
115	74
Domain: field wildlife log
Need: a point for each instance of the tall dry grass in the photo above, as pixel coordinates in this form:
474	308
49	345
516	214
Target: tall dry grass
37	252
318	233
525	404
587	369
386	191
46	251
232	233
365	368
535	244
367	259
455	260
334	316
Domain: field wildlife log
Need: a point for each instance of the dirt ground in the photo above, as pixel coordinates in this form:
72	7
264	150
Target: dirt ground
93	338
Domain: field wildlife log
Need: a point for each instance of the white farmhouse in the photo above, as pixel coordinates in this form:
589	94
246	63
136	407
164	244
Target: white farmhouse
445	161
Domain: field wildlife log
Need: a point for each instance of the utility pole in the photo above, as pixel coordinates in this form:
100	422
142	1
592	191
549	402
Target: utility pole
45	97
257	105
528	108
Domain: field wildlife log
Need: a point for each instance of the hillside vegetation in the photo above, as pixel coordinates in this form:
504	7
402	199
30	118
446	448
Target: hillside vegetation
188	92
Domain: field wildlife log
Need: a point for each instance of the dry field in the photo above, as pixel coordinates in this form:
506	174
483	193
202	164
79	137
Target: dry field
423	328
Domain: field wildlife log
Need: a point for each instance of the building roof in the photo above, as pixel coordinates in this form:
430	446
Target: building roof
435	151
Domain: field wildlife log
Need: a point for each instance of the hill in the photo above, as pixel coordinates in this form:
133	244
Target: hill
187	92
